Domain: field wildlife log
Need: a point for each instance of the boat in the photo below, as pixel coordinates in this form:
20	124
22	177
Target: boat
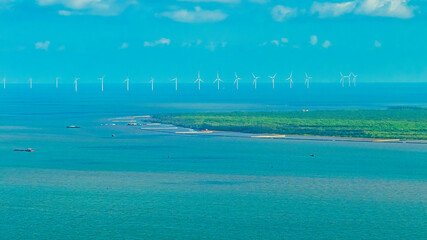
24	150
72	126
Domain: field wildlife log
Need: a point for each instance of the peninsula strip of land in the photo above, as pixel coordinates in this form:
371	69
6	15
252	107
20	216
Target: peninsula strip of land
403	123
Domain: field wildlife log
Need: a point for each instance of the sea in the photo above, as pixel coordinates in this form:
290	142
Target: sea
86	183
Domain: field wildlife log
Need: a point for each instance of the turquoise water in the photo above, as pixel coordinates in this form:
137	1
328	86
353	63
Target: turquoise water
85	184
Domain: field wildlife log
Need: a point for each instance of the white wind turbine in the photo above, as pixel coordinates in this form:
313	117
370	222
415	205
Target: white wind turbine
75	83
343	77
31	82
127	83
236	81
56	82
307	80
290	80
102	83
152	84
217	80
176	83
4	82
198	80
255	78
354	79
272	78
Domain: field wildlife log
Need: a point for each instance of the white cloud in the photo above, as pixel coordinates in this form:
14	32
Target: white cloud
275	42
328	9
161	41
386	8
66	13
313	40
42	45
280	13
326	44
383	8
218	1
197	16
211	46
124	45
91	7
6	3
259	1
377	44
192	43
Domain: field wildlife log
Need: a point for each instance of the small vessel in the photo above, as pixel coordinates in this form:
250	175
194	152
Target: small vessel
72	126
24	150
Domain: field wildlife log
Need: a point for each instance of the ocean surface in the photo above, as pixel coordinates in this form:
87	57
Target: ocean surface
141	184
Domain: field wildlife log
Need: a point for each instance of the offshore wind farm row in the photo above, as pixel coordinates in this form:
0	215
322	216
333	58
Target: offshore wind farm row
350	79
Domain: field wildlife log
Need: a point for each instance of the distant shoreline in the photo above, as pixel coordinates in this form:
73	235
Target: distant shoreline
391	125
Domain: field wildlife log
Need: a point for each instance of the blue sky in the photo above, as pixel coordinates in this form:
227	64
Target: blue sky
380	40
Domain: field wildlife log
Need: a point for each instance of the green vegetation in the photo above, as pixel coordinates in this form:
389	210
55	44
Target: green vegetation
402	123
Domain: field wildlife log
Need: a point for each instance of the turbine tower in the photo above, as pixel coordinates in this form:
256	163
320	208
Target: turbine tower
102	83
75	83
272	78
255	78
31	82
176	83
4	82
198	80
307	80
236	81
56	82
342	81
152	84
127	83
217	80
290	80
354	79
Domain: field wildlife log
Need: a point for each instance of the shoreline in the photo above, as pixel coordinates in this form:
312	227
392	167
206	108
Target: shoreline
307	138
391	125
178	129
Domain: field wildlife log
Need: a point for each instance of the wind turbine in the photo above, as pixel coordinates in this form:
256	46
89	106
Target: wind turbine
290	80
152	84
342	78
307	80
218	80
198	80
354	79
75	83
31	82
255	78
56	82
4	82
176	83
236	81
272	78
127	83
102	83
